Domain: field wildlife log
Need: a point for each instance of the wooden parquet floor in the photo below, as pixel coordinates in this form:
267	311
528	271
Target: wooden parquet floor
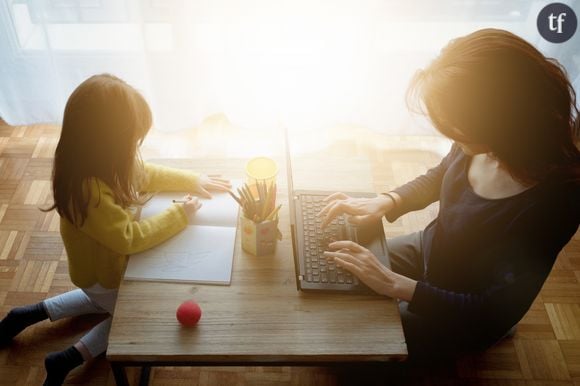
544	351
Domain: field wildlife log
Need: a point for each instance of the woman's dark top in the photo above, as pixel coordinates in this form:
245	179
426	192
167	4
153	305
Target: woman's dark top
485	259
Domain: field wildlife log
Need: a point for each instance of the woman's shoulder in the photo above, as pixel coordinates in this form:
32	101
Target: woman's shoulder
455	152
570	193
557	203
564	193
550	219
453	157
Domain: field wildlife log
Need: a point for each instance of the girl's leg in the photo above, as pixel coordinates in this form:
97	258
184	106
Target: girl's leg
94	343
59	364
95	299
71	303
103	297
18	319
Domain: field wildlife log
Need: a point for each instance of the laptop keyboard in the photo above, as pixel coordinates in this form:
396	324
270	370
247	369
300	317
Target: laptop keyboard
316	240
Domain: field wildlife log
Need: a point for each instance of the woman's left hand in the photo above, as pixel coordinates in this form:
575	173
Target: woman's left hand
209	184
361	262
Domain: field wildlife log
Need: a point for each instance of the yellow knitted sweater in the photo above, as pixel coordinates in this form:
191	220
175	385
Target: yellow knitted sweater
97	251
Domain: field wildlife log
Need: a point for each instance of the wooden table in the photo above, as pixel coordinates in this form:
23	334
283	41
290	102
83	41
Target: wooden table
260	319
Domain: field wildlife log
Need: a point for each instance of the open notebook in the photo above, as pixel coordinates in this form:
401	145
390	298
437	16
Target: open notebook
202	253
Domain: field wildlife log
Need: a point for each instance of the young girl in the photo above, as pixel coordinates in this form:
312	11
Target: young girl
508	192
97	176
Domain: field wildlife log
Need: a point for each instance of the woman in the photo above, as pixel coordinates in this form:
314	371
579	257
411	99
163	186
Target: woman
508	193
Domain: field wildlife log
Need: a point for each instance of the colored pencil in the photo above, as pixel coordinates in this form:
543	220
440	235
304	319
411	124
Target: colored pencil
260	208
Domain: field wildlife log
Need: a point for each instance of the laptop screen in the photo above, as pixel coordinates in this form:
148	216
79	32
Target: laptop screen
290	182
292	211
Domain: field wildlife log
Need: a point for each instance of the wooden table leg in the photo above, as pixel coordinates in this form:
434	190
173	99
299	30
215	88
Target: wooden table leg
144	378
120	374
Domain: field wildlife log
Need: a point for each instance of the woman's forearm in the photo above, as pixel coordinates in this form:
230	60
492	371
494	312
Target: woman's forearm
404	287
396	198
389	201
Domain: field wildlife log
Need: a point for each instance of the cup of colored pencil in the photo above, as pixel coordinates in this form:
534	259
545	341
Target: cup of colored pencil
259	217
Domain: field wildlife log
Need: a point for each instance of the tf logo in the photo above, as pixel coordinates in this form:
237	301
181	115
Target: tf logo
557	22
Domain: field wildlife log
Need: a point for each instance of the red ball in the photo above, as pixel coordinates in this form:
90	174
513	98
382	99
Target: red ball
188	313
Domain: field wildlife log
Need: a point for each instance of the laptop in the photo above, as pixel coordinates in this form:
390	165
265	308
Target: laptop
309	240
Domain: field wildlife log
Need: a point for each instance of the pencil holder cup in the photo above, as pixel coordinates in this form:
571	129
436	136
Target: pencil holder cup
260	170
260	238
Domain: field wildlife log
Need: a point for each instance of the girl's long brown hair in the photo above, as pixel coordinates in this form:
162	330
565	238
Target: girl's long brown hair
497	89
105	120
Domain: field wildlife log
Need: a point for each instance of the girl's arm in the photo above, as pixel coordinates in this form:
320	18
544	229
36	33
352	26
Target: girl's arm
162	178
114	227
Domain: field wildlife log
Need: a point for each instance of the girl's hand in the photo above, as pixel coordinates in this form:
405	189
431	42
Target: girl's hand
209	184
361	210
191	205
366	266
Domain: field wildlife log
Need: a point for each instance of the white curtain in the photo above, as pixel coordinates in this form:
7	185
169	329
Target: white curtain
300	63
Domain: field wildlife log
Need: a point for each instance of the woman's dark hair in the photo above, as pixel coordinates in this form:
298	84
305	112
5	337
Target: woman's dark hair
104	122
492	87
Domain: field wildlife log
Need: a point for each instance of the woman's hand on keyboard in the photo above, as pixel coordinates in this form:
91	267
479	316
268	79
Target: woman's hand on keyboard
359	210
364	264
361	262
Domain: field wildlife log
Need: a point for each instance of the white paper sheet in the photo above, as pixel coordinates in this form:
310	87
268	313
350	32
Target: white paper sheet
202	253
220	210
